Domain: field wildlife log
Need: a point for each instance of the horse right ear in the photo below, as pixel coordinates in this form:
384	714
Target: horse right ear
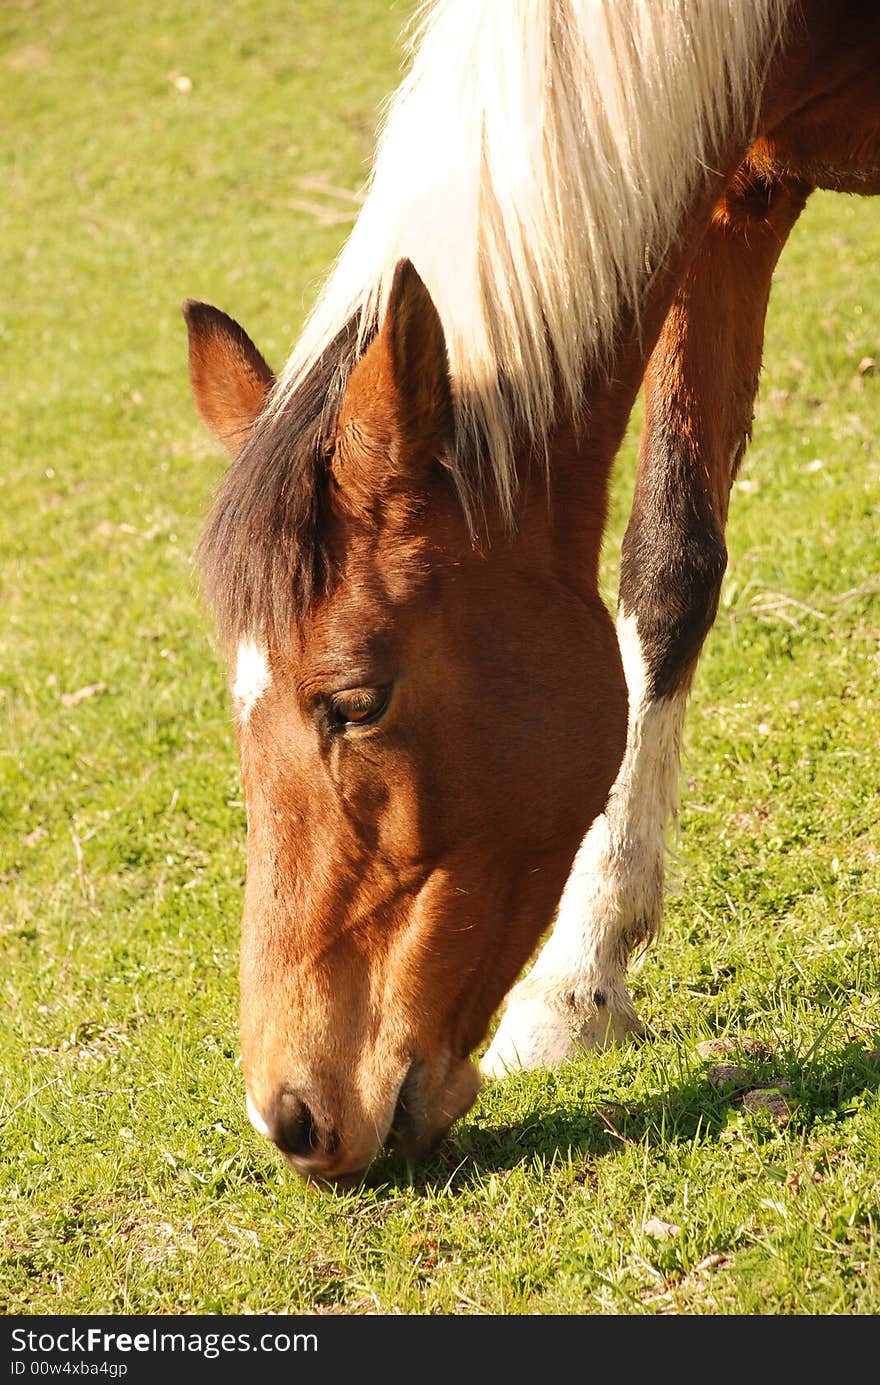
396	417
230	380
419	364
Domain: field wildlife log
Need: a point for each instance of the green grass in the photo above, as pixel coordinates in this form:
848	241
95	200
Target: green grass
130	1179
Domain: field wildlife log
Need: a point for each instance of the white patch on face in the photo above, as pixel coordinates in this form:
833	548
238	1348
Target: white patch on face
252	677
256	1119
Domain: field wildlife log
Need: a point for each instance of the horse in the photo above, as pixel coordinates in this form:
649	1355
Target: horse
446	744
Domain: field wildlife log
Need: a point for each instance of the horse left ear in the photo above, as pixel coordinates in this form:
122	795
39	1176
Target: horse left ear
418	360
230	380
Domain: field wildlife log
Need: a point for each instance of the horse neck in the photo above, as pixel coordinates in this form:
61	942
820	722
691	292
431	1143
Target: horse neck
564	495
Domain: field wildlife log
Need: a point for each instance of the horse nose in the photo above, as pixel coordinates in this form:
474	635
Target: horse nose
295	1131
312	1146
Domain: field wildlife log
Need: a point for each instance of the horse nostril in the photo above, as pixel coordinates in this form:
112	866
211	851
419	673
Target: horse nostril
293	1129
295	1132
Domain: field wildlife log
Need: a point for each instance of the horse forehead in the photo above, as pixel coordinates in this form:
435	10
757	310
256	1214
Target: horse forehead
383	564
360	631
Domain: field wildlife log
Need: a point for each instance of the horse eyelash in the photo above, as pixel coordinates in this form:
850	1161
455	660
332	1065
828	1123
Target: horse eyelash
336	721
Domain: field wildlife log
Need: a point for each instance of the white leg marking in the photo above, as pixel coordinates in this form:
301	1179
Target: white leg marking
256	1119
252	677
576	996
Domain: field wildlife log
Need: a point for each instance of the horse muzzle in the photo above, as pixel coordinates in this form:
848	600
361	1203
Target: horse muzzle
429	1099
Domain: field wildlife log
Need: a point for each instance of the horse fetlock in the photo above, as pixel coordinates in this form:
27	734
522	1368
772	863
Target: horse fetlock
612	1021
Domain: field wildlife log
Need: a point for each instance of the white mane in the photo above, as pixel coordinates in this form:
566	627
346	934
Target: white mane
535	165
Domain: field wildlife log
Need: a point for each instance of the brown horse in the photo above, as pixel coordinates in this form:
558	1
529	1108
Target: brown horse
432	708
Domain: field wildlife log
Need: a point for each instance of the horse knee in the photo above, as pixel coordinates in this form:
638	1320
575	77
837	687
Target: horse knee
671	576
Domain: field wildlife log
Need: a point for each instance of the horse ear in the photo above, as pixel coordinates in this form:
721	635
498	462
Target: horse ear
396	415
230	380
419	364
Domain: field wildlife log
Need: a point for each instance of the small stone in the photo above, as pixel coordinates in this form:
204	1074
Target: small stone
180	82
718	1048
728	1075
660	1230
768	1099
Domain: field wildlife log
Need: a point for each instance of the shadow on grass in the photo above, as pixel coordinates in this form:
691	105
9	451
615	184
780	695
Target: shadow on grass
815	1089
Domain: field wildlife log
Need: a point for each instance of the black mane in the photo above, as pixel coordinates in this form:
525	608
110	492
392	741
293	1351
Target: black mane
262	558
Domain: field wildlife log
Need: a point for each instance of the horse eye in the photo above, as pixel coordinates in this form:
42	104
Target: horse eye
357	707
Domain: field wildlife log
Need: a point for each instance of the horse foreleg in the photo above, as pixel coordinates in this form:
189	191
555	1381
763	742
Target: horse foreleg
699	395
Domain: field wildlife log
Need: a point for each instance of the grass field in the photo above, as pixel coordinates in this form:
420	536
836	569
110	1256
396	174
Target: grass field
150	153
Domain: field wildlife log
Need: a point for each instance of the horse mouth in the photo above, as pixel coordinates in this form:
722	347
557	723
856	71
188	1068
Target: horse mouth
430	1100
403	1134
409	1113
